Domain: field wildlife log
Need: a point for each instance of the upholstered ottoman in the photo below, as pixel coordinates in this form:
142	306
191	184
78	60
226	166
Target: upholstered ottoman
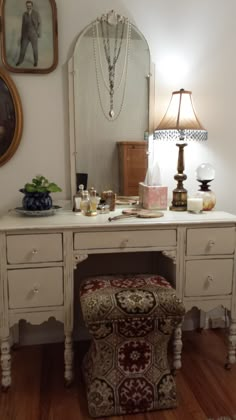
131	319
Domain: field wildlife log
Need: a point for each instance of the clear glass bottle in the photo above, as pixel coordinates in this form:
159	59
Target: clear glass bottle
84	205
77	199
93	200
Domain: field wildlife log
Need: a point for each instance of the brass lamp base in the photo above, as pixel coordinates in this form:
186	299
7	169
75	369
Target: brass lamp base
179	202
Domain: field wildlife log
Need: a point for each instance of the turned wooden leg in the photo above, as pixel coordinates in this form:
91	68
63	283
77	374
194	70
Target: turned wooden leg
177	344
68	357
231	357
5	363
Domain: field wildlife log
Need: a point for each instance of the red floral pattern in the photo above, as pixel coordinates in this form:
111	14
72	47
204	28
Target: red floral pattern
92	286
136	394
128	282
126	369
134	356
136	328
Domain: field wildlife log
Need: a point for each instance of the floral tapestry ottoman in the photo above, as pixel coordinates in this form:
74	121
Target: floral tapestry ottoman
131	319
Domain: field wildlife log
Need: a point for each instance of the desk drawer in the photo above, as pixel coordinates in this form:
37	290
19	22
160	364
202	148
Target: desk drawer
208	241
125	239
35	287
209	277
22	249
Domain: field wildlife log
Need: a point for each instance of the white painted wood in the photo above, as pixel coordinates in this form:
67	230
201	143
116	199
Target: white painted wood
6	362
34	248
125	239
170	254
177	347
71	98
36	287
210	241
38	290
36	316
209	277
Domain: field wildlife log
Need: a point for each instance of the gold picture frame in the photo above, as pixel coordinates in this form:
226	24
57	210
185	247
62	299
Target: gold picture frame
11	118
29	35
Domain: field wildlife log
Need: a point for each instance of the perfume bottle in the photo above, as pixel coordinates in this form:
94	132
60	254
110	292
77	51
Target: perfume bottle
84	205
77	199
93	200
206	173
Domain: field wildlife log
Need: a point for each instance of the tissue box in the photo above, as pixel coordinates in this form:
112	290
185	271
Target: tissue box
153	197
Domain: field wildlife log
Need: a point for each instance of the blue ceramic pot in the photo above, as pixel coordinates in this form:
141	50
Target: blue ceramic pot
36	200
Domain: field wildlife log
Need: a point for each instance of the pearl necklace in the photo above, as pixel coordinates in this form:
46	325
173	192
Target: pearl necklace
111	62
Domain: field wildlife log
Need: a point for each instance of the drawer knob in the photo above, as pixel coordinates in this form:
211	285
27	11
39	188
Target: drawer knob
36	288
34	251
210	279
211	243
124	243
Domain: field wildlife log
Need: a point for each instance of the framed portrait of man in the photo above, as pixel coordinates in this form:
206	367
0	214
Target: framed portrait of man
29	38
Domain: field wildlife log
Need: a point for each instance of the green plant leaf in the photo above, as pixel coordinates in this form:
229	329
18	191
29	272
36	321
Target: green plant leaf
52	187
41	184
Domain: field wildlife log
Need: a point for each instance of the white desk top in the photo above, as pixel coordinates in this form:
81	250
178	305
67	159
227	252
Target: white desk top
66	219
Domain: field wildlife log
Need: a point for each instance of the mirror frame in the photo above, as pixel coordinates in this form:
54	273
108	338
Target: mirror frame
72	135
15	141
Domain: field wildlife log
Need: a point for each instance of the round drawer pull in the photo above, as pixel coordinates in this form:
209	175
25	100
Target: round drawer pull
34	251
124	243
211	243
210	279
36	288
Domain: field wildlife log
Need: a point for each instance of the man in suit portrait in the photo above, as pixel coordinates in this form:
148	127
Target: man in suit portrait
30	32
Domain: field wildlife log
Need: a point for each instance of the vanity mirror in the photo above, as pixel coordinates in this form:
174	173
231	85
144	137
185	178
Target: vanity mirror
111	98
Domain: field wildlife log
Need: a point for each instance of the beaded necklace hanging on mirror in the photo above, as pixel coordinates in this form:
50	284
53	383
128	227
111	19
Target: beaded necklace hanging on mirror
111	58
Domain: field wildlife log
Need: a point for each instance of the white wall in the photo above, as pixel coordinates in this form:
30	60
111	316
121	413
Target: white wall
196	38
193	46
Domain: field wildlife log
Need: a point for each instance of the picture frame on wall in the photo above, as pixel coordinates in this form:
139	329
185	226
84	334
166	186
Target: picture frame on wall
11	117
29	36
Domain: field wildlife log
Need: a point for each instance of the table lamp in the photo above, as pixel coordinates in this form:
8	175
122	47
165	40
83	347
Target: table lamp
180	122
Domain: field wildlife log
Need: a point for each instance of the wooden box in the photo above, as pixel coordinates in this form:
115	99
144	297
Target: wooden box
132	166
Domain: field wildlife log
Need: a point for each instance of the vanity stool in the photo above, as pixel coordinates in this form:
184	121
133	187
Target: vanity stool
131	319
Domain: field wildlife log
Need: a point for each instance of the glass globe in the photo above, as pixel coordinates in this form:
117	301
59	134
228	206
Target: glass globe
205	172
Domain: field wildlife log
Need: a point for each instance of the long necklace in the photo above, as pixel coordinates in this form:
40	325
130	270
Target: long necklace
111	61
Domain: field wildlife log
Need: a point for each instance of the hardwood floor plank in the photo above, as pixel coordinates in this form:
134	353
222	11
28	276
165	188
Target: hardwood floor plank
205	389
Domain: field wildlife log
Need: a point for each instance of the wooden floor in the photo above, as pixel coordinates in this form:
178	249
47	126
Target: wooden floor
205	388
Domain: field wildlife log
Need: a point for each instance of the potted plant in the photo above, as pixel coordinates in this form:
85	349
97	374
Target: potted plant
37	194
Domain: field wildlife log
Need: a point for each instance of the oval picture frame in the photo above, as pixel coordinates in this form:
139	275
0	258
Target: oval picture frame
11	118
29	35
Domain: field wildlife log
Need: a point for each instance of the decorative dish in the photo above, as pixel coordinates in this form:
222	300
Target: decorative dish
37	213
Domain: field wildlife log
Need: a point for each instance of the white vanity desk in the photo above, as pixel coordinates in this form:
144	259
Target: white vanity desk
38	257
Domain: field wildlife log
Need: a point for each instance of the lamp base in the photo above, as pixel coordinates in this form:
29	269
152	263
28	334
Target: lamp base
179	202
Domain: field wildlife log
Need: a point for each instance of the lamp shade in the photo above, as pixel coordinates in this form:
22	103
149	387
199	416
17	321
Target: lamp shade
180	117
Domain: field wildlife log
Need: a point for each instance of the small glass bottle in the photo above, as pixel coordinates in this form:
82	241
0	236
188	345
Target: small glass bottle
84	205
93	201
110	198
77	199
